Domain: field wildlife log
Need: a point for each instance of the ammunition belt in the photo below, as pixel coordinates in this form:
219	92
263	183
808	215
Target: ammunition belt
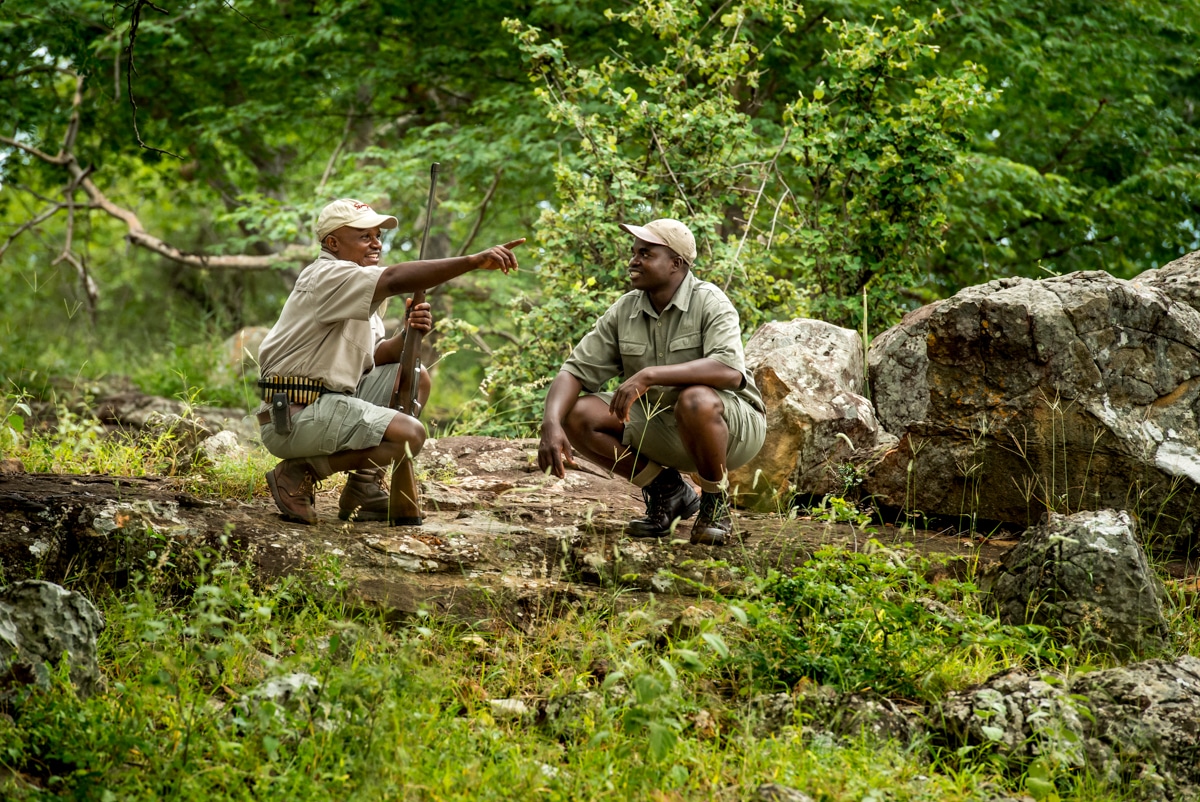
299	389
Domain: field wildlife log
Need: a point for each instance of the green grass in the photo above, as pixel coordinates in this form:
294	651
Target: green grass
407	711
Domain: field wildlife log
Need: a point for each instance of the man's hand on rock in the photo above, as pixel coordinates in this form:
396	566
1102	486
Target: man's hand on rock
554	451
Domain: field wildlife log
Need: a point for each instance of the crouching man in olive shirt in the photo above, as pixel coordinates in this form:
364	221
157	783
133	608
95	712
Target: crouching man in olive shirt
686	402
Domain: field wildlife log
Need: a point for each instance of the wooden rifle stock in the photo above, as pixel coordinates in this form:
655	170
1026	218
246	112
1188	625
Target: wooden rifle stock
404	505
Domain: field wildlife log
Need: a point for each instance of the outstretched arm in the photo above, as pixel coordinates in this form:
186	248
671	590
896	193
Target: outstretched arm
421	275
554	450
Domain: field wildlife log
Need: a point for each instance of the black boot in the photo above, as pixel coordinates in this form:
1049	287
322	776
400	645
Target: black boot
668	499
714	527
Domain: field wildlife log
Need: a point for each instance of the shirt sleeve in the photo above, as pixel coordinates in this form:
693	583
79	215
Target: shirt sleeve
597	357
722	331
345	291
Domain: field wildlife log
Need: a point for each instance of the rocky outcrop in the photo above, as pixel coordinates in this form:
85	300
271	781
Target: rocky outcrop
1018	717
1145	725
1179	280
810	374
1137	722
1085	574
500	540
40	623
1020	396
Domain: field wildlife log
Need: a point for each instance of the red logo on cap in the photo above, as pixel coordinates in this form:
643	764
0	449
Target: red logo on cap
358	206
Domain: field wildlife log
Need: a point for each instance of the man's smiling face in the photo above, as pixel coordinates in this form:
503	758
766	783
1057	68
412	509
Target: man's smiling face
359	245
650	266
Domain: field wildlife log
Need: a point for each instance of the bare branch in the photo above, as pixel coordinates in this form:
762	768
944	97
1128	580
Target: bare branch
79	178
28	224
483	206
32	151
135	19
1062	153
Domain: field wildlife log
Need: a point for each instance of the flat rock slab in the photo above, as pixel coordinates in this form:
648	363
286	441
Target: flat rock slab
500	539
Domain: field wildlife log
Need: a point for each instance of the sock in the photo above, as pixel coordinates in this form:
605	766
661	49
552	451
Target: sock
709	486
648	474
320	466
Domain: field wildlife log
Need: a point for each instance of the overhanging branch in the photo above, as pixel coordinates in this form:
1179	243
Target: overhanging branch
78	177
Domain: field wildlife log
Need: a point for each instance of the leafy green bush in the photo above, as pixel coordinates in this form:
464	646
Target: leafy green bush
870	621
797	207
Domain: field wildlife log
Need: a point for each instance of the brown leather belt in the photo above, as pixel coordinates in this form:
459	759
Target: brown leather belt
264	417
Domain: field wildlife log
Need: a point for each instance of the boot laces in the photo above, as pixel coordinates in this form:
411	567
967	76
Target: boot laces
308	484
658	504
713	506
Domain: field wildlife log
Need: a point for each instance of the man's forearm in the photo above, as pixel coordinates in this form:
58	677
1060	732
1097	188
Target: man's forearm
390	350
421	275
704	371
562	395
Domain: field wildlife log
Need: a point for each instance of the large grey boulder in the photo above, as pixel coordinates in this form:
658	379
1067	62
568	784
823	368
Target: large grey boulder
1016	716
1145	724
811	377
1180	280
1021	396
40	623
1137	722
1087	575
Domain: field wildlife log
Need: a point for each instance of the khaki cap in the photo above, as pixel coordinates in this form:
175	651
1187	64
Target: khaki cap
665	231
349	212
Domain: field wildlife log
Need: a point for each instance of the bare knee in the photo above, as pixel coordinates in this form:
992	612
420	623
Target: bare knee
698	404
405	434
587	418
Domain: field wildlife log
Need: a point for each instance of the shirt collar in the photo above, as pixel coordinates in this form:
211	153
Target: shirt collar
680	300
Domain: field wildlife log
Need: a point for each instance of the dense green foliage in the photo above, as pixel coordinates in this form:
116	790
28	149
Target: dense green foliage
598	701
871	622
822	154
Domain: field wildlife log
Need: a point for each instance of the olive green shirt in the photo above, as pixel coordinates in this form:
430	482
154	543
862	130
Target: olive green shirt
699	322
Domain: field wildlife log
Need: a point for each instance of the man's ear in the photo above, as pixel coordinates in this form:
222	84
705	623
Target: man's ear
330	243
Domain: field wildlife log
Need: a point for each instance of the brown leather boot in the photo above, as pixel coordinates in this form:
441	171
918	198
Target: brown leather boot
365	496
293	486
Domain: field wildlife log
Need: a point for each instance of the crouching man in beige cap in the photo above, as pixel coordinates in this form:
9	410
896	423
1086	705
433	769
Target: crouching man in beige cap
330	354
686	402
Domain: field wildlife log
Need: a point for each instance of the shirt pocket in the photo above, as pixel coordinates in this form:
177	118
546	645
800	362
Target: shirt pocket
685	347
629	348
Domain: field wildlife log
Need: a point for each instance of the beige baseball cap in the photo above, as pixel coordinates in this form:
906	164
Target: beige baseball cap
349	212
665	231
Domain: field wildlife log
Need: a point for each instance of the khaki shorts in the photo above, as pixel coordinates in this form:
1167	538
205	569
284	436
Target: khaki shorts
653	432
336	422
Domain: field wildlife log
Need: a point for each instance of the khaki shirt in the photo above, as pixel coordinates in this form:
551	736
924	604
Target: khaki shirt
329	325
698	322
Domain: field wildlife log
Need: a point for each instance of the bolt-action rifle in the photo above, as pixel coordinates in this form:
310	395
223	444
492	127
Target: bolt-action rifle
404	506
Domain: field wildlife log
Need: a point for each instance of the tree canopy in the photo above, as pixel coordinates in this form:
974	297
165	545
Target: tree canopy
161	165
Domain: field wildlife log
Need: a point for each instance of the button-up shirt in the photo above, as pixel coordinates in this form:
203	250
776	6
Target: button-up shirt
329	325
698	322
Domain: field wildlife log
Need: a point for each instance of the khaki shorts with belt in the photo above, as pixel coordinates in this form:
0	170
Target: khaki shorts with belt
336	422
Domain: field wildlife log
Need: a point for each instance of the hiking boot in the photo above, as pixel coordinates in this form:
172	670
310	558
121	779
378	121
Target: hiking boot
714	526
293	486
365	496
668	499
